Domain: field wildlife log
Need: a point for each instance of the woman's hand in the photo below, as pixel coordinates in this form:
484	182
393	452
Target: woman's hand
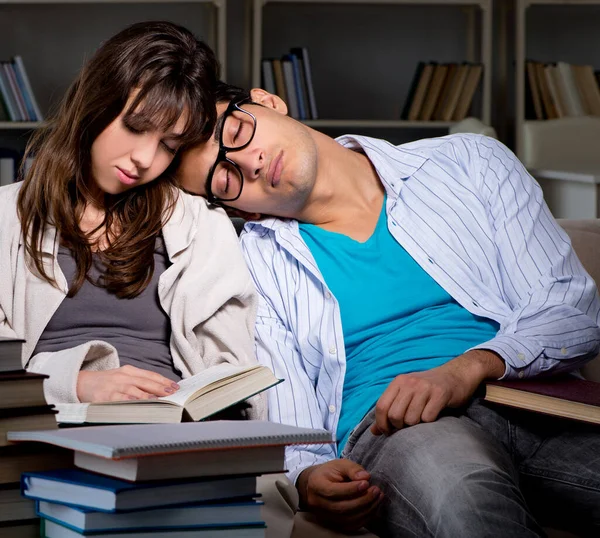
124	383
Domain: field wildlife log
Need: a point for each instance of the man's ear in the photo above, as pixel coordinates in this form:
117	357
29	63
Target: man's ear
268	100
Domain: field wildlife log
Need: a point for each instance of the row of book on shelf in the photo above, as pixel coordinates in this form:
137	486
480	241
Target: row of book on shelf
559	90
290	77
17	101
442	91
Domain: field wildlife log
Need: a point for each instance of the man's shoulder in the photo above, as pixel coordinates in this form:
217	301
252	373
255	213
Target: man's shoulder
430	146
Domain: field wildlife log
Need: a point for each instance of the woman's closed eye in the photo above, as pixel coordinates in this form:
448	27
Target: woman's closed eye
170	145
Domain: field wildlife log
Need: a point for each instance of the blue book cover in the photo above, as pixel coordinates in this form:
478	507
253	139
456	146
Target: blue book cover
187	516
73	487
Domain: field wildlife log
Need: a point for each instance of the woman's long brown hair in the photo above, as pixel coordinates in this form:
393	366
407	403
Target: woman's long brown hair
173	73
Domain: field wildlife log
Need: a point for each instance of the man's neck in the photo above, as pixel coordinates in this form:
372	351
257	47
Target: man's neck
348	193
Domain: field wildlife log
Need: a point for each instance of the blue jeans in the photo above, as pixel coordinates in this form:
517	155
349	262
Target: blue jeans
483	472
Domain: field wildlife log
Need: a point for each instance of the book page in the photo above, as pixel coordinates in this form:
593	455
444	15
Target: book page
72	413
192	384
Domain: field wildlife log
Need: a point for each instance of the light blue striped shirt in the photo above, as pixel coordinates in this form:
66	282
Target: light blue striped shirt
468	212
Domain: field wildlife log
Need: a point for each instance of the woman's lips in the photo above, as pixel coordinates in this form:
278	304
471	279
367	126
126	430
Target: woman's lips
126	178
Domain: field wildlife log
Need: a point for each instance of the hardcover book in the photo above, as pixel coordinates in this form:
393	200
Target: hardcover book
566	396
198	397
10	352
21	389
196	515
54	530
85	490
152	451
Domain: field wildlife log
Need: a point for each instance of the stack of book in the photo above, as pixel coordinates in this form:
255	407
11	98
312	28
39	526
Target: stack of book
561	90
290	77
22	407
442	92
171	480
17	101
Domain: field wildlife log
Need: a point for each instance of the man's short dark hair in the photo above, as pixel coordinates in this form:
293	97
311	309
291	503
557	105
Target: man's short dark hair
225	93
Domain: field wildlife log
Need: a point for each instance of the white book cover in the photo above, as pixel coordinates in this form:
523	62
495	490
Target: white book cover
130	441
573	99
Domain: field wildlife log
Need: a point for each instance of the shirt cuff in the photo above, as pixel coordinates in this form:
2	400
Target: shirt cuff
518	356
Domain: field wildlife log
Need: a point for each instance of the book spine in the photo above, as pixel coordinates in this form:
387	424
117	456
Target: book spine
268	77
12	80
20	69
288	75
7	96
302	109
309	83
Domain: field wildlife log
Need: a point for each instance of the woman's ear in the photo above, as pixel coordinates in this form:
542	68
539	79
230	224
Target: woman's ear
268	100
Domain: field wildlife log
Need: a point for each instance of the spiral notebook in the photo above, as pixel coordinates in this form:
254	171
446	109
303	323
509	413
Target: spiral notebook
188	449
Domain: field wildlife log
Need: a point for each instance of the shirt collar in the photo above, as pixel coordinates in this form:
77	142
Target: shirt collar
394	164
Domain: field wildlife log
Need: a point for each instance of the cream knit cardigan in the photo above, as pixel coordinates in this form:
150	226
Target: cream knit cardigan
207	293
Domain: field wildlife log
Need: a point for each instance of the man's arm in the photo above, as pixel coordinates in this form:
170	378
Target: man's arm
554	306
555	309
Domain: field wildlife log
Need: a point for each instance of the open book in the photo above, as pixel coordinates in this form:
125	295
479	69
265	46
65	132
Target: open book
198	397
564	396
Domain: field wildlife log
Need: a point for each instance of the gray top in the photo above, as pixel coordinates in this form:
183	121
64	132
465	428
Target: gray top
138	328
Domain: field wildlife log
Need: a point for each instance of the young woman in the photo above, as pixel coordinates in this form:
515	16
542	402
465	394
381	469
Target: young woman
119	283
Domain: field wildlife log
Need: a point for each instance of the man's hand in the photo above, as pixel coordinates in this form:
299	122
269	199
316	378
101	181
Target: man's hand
339	494
421	396
124	383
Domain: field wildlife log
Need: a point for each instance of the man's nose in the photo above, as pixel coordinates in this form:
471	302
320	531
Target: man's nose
251	161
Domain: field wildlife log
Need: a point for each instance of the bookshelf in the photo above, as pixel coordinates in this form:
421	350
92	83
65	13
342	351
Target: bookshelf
478	49
216	38
560	153
522	11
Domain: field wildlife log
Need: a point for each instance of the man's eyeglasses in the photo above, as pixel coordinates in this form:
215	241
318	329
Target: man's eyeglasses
225	180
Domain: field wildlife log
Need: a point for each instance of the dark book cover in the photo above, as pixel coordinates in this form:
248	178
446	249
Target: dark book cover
27	411
412	90
568	388
21	375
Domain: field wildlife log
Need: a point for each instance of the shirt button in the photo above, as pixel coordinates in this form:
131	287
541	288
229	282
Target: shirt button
521	375
521	357
332	350
327	295
332	408
564	350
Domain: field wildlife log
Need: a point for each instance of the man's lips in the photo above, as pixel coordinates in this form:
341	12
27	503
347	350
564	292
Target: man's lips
274	173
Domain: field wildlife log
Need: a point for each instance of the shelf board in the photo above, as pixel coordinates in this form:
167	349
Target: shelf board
484	4
22	125
392	124
216	2
560	2
580	176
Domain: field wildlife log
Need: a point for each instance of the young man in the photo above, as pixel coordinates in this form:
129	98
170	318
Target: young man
393	281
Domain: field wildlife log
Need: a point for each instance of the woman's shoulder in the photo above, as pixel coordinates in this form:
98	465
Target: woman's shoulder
8	201
9	193
204	213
